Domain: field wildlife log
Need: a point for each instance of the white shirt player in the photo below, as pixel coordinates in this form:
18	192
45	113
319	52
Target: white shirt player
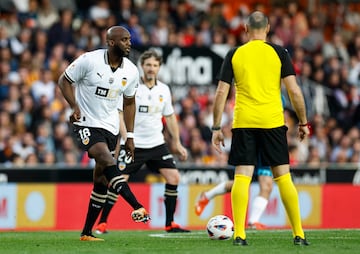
151	105
98	89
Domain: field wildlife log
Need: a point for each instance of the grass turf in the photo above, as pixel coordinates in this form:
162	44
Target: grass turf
133	242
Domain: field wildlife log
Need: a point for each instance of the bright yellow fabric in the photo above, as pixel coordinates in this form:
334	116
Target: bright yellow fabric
257	76
239	203
290	199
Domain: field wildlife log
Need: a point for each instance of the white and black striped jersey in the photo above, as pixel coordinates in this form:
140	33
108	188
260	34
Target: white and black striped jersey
98	88
151	105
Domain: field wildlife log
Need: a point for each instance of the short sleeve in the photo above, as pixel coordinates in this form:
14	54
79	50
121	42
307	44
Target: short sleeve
78	69
133	85
226	71
168	108
121	102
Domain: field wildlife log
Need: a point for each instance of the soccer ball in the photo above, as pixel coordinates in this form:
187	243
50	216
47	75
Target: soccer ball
220	227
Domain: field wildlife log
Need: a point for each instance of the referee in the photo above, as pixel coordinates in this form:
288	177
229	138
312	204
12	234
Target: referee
257	69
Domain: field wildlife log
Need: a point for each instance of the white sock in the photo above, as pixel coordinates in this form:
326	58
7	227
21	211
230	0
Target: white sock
217	190
257	208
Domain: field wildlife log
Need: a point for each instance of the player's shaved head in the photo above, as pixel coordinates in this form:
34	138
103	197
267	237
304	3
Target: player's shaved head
257	20
118	40
116	32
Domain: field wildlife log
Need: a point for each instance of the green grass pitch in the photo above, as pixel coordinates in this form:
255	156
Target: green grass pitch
133	242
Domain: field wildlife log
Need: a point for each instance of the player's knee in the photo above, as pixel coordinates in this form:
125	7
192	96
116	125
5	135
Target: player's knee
103	158
100	180
172	177
116	180
265	189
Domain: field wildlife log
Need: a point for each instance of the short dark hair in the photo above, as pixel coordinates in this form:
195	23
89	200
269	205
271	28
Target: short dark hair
257	20
150	53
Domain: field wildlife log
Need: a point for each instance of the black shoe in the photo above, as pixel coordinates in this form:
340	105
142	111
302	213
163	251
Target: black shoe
175	228
239	241
300	241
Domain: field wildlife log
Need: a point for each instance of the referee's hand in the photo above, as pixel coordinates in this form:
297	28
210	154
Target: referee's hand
304	131
218	140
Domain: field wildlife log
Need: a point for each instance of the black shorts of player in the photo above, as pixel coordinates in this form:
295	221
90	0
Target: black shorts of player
154	158
252	145
88	136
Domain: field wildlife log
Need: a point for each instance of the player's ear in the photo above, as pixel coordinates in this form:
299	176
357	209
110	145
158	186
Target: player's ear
267	28
246	28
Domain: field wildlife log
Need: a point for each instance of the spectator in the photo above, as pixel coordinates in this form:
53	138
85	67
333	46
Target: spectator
61	31
47	14
99	13
149	15
45	86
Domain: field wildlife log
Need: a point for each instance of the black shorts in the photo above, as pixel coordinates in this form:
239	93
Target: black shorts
88	136
154	158
269	146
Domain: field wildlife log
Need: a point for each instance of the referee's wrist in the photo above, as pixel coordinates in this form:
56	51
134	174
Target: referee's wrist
303	124
215	128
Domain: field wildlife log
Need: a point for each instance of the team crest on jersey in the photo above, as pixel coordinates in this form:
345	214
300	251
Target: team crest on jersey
161	98
124	81
121	165
85	141
111	80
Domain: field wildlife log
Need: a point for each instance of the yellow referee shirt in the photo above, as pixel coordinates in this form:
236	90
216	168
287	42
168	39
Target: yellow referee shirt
256	69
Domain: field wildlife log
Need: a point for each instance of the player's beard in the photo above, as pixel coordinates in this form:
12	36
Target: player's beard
150	77
120	51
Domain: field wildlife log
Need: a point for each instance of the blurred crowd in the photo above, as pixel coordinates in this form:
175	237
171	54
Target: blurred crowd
39	38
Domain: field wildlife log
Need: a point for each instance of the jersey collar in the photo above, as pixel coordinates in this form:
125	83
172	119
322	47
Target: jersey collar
106	59
143	83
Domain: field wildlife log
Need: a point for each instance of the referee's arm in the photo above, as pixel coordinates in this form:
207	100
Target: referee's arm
221	95
296	97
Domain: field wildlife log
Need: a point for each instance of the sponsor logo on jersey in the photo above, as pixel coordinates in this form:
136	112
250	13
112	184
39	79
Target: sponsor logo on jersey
124	81
143	109
111	80
102	91
107	93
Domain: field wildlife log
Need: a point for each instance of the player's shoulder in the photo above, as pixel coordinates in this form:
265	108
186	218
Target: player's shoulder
162	85
95	53
230	53
93	57
277	47
129	65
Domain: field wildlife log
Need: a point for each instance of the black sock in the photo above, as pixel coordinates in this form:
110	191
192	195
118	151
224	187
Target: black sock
127	194
96	203
120	186
170	202
110	202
